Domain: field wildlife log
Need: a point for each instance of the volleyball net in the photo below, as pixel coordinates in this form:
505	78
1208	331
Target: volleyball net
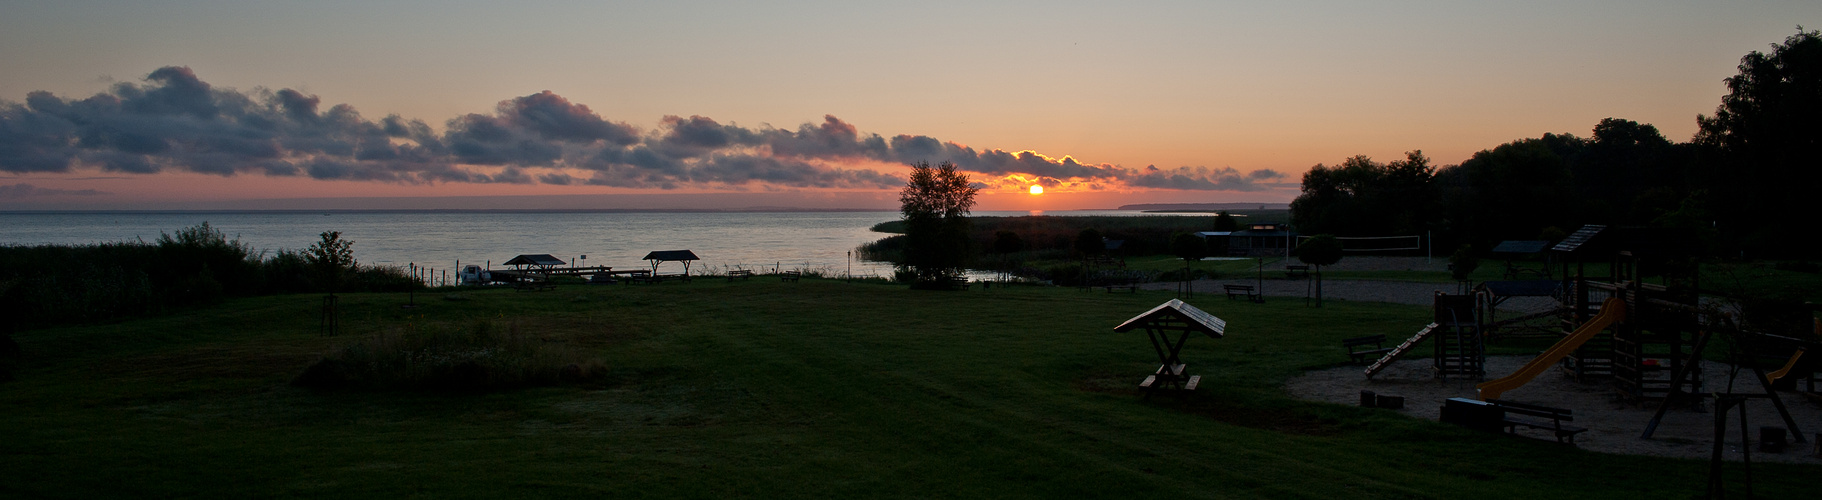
1370	244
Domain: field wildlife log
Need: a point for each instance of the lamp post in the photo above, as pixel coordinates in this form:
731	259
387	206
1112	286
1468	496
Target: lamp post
411	294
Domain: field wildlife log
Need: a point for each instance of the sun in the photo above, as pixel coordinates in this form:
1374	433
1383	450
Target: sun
1036	189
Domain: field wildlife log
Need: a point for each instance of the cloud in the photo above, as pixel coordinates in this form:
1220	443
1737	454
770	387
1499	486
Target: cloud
172	120
23	190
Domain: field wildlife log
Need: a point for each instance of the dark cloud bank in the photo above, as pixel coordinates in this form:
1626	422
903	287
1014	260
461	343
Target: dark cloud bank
175	121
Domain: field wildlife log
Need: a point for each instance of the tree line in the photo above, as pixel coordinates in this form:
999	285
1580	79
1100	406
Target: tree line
1740	186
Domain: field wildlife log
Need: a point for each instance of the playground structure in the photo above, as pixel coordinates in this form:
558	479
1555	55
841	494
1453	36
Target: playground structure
1646	339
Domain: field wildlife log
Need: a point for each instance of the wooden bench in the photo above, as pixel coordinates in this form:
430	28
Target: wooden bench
533	285
1129	284
1296	272
1564	433
961	284
1241	290
739	273
791	276
1175	373
1357	348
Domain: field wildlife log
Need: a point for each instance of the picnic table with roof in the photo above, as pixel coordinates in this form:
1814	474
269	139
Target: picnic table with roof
663	256
1178	319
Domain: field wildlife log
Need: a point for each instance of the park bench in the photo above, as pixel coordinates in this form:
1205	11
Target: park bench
791	276
739	273
1564	433
1358	348
1127	283
533	285
960	284
1241	290
1296	272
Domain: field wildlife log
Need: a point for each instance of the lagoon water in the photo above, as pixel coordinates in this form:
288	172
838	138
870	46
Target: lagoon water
438	239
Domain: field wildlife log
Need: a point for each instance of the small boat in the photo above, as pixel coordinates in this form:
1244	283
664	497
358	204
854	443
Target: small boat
473	275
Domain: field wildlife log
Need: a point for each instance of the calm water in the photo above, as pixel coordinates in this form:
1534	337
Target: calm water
439	239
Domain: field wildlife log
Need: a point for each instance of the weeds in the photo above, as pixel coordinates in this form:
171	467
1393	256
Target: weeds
478	357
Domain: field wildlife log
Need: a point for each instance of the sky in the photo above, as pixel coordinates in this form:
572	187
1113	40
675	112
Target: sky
155	104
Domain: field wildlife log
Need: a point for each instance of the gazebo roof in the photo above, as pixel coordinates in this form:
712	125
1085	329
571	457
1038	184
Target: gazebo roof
542	259
1175	311
671	255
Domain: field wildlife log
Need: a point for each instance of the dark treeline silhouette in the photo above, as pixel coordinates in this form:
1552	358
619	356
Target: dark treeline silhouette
1739	187
60	284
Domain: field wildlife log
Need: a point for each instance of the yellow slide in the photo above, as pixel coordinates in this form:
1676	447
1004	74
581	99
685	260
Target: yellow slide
1612	311
1774	376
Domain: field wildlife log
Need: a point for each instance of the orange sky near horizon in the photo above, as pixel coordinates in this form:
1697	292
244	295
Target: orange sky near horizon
1217	94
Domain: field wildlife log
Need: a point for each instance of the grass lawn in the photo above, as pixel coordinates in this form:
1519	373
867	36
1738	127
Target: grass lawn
765	389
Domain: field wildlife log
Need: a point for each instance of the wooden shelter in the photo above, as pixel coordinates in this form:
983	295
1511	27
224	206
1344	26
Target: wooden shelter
663	256
542	261
1159	323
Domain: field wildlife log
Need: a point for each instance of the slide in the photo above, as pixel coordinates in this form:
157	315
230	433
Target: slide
1774	376
1612	311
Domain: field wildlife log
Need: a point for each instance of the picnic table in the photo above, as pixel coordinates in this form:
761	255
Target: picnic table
1159	323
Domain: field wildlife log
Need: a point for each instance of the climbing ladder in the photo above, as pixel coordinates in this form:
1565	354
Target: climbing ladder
1400	350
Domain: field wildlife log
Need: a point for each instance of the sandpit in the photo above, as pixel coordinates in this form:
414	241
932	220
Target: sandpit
1613	425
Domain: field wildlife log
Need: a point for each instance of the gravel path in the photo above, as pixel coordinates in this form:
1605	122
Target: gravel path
1399	292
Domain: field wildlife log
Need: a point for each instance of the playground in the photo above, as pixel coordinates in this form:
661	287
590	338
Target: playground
1636	363
1613	424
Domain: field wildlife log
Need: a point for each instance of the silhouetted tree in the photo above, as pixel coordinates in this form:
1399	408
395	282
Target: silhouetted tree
1361	197
1089	243
1225	222
1512	191
330	259
1190	248
935	204
1007	242
1320	250
1769	139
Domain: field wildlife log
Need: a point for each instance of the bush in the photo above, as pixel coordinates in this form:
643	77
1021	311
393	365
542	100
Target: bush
476	358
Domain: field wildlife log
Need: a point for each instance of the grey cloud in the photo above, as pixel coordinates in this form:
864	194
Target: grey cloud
173	120
1202	179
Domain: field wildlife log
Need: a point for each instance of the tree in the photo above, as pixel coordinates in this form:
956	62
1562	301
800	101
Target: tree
1090	243
1007	242
1769	140
1225	222
1190	248
935	204
1320	250
330	259
1361	197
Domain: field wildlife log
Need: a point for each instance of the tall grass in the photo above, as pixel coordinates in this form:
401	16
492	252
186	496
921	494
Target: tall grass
477	357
